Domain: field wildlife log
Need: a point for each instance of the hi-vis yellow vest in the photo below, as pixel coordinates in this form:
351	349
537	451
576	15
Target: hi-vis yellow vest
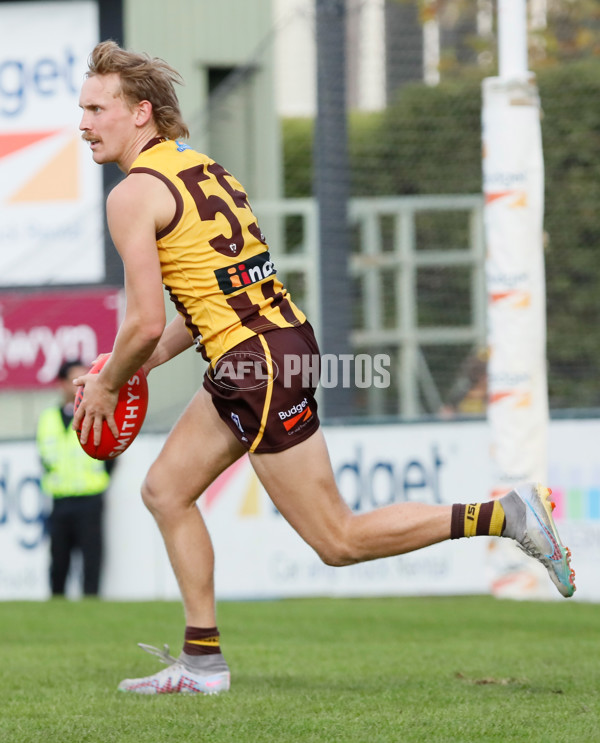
69	470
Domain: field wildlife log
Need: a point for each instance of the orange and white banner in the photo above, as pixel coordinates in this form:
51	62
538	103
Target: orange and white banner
51	226
513	172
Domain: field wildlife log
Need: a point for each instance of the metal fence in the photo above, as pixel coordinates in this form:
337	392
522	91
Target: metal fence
386	261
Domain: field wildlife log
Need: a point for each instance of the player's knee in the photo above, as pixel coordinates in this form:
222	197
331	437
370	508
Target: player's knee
162	497
152	496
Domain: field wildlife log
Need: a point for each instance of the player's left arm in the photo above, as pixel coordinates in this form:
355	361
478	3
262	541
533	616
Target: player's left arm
135	210
175	339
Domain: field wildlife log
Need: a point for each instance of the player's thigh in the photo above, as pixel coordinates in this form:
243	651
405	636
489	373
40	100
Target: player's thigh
301	484
196	451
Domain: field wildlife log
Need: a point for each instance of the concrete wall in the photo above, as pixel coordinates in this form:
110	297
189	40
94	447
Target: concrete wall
203	40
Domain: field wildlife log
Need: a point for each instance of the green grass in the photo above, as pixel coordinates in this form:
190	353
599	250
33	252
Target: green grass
369	670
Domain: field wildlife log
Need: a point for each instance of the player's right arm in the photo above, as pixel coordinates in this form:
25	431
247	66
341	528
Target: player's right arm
135	210
134	213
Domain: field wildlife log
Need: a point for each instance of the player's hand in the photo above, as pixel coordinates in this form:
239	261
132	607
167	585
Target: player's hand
97	405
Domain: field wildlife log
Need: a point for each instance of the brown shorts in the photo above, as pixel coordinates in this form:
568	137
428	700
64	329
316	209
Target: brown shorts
264	388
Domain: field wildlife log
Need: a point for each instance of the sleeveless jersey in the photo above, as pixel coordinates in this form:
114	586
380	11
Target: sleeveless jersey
214	259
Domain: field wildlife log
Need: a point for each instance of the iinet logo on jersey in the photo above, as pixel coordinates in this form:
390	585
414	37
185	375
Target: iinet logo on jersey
296	415
245	273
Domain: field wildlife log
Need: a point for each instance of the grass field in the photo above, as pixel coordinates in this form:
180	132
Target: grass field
439	669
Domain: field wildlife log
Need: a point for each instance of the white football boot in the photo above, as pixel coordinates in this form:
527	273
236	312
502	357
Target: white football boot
529	521
177	678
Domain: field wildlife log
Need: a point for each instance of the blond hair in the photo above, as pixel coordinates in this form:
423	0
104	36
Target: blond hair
143	78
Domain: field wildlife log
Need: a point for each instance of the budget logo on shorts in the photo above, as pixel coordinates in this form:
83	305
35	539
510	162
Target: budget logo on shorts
245	273
295	418
244	371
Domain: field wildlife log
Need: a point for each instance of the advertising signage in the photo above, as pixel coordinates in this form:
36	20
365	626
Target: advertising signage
51	225
40	330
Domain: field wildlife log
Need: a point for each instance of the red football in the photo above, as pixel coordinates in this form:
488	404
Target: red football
129	415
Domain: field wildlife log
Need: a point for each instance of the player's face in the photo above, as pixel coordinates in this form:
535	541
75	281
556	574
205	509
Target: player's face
108	122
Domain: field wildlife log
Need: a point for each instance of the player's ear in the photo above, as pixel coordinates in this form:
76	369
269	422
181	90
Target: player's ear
144	113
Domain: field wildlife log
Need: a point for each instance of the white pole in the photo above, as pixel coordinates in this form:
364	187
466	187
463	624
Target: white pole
512	39
513	170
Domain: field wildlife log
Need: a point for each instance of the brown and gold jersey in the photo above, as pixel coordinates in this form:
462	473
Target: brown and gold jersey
214	258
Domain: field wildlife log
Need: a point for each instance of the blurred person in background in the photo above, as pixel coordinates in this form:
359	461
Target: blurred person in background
468	395
76	483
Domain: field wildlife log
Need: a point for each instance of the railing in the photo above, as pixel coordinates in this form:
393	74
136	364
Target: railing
399	257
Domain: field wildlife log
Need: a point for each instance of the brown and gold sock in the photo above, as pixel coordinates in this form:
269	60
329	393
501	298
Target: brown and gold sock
477	519
202	641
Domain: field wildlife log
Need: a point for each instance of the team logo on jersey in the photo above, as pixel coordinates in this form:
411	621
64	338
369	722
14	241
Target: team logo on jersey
245	273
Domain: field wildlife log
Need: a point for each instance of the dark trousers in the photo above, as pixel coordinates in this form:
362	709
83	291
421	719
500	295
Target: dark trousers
76	524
